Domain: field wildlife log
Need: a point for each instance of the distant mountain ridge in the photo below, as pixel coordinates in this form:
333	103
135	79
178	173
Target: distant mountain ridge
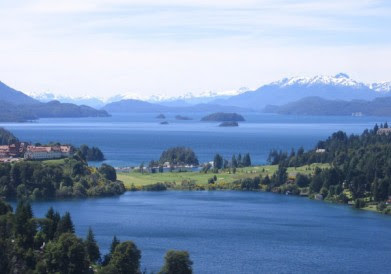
15	106
139	106
320	106
10	95
178	101
338	87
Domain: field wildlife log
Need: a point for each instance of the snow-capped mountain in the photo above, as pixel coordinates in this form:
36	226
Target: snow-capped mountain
338	87
381	87
98	102
341	79
91	101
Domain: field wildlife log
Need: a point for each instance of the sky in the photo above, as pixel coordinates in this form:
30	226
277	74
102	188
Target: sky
172	47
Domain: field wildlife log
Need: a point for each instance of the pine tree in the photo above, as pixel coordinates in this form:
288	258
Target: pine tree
239	160
25	227
234	162
107	257
51	228
246	160
92	247
65	225
218	161
114	244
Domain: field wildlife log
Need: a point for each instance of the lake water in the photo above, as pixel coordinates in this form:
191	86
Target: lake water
225	232
238	232
130	139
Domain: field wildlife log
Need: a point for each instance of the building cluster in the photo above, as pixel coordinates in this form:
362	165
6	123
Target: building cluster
17	151
384	131
9	153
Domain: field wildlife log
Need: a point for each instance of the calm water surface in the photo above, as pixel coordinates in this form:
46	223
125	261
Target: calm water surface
238	232
130	139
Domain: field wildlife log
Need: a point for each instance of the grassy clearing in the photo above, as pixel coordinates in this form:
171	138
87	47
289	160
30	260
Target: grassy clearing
139	179
54	162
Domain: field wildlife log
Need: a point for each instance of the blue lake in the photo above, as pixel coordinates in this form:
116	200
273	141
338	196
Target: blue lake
130	139
225	232
238	232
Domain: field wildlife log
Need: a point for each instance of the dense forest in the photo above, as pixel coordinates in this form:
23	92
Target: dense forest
360	168
70	177
179	156
49	245
92	154
6	137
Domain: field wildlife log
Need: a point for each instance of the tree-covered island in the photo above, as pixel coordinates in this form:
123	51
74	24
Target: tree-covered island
223	117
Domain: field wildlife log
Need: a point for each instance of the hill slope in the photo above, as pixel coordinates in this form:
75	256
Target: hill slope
320	106
10	95
338	87
132	105
16	106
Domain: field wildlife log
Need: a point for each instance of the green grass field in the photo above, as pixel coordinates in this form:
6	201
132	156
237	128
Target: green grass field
139	179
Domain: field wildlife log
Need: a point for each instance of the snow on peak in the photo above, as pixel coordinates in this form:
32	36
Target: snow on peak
341	79
205	94
381	87
342	75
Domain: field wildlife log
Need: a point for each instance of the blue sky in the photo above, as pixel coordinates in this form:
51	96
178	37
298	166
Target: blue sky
146	47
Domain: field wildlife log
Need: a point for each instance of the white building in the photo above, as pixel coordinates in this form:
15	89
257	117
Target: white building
47	152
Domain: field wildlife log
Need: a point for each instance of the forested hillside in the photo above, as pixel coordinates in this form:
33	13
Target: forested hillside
360	167
6	137
70	177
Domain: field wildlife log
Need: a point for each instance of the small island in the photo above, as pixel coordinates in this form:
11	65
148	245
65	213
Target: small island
229	124
184	118
161	116
223	117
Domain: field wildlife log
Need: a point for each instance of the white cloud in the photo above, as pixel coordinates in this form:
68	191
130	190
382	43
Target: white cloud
106	47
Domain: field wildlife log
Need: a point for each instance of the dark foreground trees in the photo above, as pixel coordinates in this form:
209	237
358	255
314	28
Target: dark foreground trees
49	245
177	262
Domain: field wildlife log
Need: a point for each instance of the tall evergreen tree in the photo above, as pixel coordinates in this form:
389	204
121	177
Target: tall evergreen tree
65	225
234	162
125	259
25	227
239	160
92	247
218	161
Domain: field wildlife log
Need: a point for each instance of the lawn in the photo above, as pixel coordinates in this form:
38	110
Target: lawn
139	179
54	161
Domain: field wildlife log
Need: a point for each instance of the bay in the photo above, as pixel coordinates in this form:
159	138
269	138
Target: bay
237	232
130	139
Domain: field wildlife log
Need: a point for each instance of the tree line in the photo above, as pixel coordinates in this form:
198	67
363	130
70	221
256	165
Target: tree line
359	165
91	154
49	245
71	178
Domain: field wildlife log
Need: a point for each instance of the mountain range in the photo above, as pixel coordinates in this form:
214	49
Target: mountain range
15	106
338	87
335	90
139	106
186	99
320	106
